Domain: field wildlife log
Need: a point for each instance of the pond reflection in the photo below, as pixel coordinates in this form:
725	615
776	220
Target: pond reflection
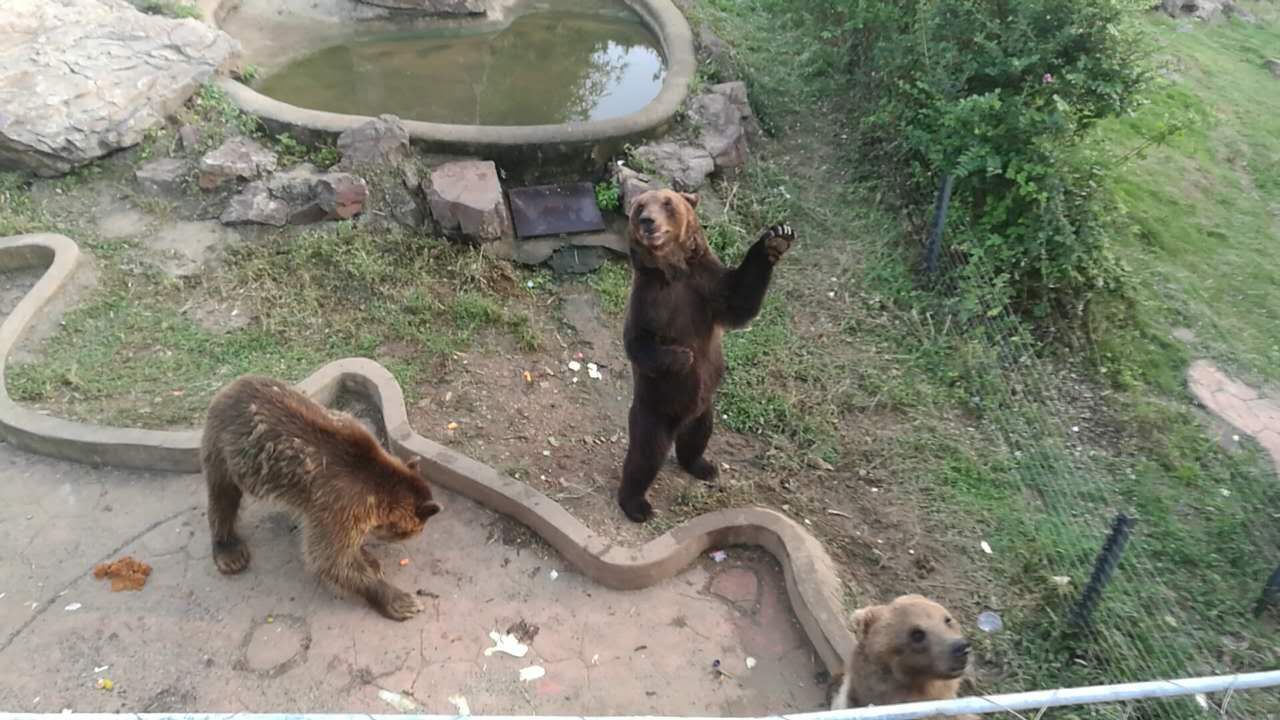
553	66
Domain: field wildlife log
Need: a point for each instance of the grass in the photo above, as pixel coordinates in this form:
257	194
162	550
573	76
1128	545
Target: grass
168	8
1021	476
1205	204
131	354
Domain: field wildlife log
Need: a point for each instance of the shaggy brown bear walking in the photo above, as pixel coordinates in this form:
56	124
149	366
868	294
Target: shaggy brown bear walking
682	300
266	439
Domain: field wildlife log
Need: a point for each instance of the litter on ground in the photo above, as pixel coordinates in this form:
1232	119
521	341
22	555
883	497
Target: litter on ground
73	606
989	622
506	643
719	556
125	573
105	684
460	702
397	701
751	662
533	672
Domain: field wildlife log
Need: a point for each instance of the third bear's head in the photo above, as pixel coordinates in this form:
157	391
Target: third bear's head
916	638
664	230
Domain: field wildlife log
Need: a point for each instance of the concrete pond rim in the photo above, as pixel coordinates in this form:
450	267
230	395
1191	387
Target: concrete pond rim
661	16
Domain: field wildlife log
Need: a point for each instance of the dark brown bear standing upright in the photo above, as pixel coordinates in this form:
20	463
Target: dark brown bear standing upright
682	300
266	439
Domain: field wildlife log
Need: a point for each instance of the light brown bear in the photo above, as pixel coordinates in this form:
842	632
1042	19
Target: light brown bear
266	440
910	650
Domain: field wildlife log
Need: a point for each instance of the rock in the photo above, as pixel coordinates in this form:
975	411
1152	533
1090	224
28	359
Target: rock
341	195
736	93
255	205
712	51
632	184
1202	9
1273	65
575	260
82	78
402	199
466	200
1235	11
312	195
685	165
162	177
720	130
190	137
381	141
239	158
431	7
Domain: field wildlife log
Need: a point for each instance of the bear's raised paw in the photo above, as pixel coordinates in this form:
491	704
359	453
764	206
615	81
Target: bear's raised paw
778	240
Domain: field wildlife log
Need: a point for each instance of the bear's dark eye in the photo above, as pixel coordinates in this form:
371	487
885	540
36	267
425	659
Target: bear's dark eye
917	636
667	203
949	621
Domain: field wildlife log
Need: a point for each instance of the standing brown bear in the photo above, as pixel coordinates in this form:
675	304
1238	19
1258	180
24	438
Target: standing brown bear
270	441
682	300
910	650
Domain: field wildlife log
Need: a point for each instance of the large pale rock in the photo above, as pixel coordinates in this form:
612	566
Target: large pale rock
1273	65
686	166
721	132
239	158
381	141
256	206
83	78
466	200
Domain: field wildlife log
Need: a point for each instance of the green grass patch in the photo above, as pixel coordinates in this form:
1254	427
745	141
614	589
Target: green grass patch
133	354
1205	204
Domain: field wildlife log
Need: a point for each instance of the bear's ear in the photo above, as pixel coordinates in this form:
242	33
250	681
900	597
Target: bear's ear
691	198
864	618
427	509
414	464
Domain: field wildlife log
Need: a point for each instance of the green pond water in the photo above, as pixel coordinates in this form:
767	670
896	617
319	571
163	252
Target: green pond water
546	66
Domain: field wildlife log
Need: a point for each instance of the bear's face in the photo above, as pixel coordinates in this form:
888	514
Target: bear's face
412	507
916	637
665	230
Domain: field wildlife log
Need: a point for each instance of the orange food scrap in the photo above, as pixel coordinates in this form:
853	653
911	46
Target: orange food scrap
125	573
404	561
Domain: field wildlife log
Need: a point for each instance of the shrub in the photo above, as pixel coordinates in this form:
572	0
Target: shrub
1001	94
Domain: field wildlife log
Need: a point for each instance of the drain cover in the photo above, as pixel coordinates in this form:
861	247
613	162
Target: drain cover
555	210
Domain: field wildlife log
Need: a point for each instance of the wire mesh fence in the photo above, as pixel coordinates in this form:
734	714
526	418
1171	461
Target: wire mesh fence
1153	563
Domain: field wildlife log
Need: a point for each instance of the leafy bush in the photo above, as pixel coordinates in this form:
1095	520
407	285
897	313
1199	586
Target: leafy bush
1001	94
608	196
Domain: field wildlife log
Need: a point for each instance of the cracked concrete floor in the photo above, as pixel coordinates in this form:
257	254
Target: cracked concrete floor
274	639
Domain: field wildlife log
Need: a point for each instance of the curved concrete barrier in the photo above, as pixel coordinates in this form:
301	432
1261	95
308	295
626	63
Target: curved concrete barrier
812	583
529	143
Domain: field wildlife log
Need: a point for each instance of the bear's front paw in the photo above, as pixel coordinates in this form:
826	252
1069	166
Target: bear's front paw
778	240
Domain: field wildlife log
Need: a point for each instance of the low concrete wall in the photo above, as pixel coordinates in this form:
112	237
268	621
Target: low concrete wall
813	586
517	146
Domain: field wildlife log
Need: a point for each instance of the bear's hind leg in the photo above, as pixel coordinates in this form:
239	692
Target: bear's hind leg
691	443
650	441
230	554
